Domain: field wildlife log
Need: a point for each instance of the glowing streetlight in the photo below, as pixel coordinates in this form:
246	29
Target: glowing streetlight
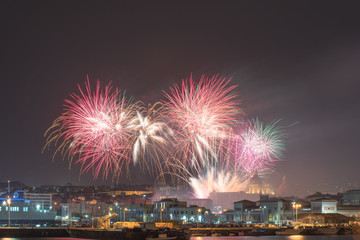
8	203
161	213
296	206
125	209
198	212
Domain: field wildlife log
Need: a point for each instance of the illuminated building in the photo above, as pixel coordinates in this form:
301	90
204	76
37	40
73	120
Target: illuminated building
324	206
246	211
162	208
256	186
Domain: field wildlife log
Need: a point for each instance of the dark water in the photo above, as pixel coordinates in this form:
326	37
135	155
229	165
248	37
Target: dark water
294	237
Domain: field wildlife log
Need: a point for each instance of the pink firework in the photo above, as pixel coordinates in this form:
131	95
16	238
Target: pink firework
94	126
259	146
201	114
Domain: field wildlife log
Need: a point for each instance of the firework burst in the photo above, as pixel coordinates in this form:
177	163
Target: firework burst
94	127
259	146
201	113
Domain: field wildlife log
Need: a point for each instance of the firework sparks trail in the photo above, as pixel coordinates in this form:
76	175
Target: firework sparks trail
217	174
94	127
201	113
151	136
217	181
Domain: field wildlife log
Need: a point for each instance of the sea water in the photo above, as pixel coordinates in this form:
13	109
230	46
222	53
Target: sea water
293	237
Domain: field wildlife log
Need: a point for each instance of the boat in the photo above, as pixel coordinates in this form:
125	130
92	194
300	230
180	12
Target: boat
24	211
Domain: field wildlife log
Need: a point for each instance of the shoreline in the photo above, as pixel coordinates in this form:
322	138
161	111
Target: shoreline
33	232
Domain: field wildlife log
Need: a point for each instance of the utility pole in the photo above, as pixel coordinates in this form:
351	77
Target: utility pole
9	203
125	209
197	220
296	206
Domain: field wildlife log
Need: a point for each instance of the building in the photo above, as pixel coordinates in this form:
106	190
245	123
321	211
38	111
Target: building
246	211
88	209
324	206
323	218
267	210
65	211
276	211
201	202
351	197
257	186
320	195
135	212
128	193
162	208
170	209
191	214
225	200
227	216
349	211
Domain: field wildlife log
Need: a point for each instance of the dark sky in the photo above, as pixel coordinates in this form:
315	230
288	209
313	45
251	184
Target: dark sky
294	60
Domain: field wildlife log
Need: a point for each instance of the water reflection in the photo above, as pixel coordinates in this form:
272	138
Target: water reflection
294	237
297	237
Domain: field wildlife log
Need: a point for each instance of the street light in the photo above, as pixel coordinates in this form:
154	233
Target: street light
296	206
125	209
9	203
197	222
161	213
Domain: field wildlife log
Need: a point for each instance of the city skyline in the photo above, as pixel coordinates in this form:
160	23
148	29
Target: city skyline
300	67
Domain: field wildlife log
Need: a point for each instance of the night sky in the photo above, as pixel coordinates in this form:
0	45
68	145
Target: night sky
298	61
